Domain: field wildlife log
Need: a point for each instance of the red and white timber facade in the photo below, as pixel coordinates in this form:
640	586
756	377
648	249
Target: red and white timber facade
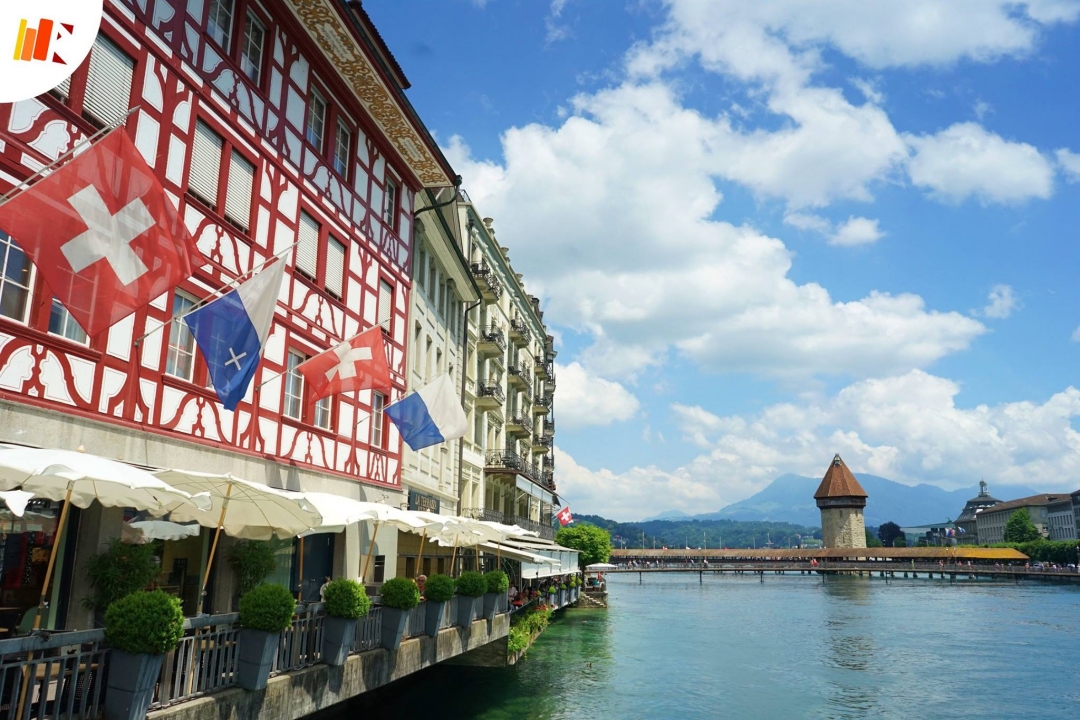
270	123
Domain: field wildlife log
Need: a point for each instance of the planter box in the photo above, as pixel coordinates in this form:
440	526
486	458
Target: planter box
491	605
257	651
433	617
338	636
562	598
551	599
466	610
131	684
393	627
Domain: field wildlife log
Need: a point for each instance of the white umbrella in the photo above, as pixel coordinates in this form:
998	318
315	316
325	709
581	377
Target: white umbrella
144	531
16	501
241	509
404	520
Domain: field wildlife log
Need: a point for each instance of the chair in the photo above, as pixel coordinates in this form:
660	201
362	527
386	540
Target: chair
27	623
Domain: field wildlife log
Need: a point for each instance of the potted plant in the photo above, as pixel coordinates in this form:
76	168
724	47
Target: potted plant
562	594
346	602
497	585
119	571
470	586
141	628
399	596
551	595
437	592
252	561
264	612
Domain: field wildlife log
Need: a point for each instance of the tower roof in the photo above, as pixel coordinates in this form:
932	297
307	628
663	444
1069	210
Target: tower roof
839	482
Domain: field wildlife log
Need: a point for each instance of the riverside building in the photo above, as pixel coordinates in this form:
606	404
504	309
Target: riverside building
992	521
966	524
274	127
841	500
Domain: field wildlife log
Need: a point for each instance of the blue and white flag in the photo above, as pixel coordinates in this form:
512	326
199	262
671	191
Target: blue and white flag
431	415
231	332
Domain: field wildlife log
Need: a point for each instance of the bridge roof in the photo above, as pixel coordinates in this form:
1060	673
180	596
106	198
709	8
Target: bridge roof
839	482
956	552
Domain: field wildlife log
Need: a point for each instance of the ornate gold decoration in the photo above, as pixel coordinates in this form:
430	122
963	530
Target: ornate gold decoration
326	27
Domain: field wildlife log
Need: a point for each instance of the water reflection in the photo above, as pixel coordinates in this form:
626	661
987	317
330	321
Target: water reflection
852	651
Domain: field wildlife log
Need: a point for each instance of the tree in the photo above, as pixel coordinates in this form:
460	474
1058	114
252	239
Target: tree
888	532
872	541
592	542
1020	529
900	541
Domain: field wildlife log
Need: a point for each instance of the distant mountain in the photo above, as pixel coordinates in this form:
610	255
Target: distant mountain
790	498
668	515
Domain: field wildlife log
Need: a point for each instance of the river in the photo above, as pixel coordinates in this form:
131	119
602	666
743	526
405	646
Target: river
789	648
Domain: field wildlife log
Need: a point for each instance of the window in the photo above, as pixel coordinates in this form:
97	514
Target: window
378	402
61	323
251	53
108	83
14	279
219	24
390	202
307	249
316	119
386	302
205	172
322	413
335	267
241	187
342	146
180	361
294	386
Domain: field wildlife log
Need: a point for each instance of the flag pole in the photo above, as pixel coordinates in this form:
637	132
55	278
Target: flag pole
25	184
231	284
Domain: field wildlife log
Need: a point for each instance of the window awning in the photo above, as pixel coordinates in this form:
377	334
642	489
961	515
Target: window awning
517	554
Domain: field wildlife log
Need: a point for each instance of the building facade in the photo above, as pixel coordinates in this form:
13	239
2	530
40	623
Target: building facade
992	521
966	525
277	127
841	500
508	473
1061	519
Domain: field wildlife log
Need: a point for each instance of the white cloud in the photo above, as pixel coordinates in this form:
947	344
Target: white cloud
1076	335
907	428
1001	302
966	161
982	109
586	399
555	30
808	221
869	90
857	231
1069	162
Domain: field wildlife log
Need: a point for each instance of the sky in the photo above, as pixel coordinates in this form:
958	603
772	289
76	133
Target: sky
767	232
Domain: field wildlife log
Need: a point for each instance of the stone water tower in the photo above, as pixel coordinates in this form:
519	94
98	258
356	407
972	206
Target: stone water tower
841	500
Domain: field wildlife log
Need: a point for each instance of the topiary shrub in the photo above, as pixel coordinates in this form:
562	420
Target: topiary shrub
497	581
552	590
439	588
346	599
471	584
253	562
562	586
149	623
119	571
400	593
268	608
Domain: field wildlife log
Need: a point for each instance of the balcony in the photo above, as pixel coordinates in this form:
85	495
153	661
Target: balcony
489	395
547	480
484	514
542	442
504	460
519	332
546	530
542	404
549	463
491	288
519	374
519	424
491	341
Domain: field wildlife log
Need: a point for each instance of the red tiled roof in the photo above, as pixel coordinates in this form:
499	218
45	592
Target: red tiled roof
839	482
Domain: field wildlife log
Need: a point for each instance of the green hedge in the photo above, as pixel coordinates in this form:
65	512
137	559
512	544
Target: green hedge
497	581
1061	552
150	623
267	607
119	571
253	561
471	584
439	588
400	593
347	599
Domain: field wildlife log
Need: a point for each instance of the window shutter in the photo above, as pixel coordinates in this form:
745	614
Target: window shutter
335	266
386	301
64	88
205	164
238	193
307	252
108	83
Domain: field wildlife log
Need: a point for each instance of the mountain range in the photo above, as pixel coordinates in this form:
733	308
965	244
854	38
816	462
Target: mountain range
790	498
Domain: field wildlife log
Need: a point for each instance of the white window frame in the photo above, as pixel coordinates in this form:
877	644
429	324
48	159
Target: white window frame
342	150
293	386
317	139
67	328
8	247
239	191
226	8
323	413
181	346
252	67
335	267
204	173
378	405
386	305
307	249
391	197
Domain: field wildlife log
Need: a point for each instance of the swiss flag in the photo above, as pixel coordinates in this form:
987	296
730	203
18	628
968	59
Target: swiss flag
102	233
355	364
565	518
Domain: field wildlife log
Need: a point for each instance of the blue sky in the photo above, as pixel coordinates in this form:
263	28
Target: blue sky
767	232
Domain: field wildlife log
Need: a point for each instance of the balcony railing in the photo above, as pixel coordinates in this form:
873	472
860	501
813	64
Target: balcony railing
543	369
541	404
485	514
490	286
523	422
546	530
300	644
519	330
543	440
492	336
205	660
490	390
507	459
520	372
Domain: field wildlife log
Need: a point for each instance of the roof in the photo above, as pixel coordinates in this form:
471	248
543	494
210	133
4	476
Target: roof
380	45
1030	501
839	482
958	552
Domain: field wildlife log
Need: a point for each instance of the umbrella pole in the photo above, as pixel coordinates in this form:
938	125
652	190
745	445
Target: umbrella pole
213	550
420	557
453	558
371	549
300	572
44	594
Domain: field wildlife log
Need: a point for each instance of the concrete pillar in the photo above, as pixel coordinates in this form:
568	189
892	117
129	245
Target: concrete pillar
97	527
225	586
353	559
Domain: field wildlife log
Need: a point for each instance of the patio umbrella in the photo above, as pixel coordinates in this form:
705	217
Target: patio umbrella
404	520
241	509
144	531
16	501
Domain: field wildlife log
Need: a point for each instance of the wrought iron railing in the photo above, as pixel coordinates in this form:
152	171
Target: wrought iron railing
204	661
63	681
415	620
523	421
505	459
484	274
493	334
369	631
300	644
543	368
546	531
543	440
519	326
520	371
491	390
449	615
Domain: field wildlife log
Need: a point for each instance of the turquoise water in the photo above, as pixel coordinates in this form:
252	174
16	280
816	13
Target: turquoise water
789	648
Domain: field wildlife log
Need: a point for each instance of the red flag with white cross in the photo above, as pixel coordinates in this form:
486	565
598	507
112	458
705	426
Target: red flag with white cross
565	518
102	233
356	364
